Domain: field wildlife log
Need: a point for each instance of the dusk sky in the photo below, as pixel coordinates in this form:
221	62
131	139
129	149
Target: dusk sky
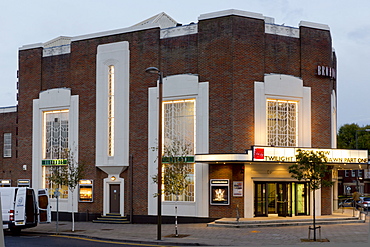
24	22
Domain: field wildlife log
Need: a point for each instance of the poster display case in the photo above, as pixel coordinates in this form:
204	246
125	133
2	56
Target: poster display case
86	190
23	183
220	191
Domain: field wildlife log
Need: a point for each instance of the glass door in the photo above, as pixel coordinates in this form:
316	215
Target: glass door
260	205
284	199
271	198
302	204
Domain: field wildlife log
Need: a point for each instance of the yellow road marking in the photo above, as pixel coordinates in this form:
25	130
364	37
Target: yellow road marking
108	241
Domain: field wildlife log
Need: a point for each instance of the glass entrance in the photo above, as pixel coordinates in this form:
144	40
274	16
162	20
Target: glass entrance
277	198
284	199
301	200
260	204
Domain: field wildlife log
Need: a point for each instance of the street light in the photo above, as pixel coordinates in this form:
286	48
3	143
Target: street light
154	70
367	130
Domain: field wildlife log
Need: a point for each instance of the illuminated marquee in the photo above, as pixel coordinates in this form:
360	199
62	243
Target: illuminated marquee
276	154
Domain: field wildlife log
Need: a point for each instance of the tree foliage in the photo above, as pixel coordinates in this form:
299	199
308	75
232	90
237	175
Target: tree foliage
175	175
311	167
347	137
69	174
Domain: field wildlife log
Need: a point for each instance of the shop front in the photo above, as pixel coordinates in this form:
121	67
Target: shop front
281	198
267	188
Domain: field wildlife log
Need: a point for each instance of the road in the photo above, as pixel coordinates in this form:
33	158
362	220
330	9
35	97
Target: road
33	240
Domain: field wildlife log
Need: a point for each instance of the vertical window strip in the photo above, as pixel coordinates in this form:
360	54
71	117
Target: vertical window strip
55	134
179	120
111	82
7	145
282	122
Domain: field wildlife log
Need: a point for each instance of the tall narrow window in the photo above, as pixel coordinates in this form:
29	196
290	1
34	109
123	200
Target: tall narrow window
7	145
55	134
55	147
282	122
179	134
111	110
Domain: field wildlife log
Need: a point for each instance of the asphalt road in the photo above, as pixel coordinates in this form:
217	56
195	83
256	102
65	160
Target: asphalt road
33	240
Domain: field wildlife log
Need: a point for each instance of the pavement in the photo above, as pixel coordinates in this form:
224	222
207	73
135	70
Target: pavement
199	234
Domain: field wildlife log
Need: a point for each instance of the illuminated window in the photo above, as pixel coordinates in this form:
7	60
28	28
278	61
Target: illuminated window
179	138
55	134
111	111
46	174
7	145
55	147
282	122
179	122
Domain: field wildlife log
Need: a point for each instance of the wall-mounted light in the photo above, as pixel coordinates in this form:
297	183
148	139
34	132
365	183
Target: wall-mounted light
113	178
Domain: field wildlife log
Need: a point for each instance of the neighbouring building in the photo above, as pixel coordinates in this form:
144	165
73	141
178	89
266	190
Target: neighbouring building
351	180
241	91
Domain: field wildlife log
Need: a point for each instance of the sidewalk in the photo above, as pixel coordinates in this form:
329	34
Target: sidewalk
200	234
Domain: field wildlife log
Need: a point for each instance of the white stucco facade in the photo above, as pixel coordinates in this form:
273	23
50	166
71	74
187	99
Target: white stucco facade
181	87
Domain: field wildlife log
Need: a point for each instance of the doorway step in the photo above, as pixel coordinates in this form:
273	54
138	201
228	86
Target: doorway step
112	219
280	222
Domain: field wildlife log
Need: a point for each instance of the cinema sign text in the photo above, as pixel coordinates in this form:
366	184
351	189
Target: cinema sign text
326	71
276	154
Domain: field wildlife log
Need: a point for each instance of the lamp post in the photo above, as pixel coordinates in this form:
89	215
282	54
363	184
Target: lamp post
154	70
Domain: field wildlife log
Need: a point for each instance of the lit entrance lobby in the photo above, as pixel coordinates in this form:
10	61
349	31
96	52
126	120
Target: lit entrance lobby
281	199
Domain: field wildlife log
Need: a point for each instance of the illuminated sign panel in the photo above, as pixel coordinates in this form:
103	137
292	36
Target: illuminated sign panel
86	190
54	162
276	154
219	191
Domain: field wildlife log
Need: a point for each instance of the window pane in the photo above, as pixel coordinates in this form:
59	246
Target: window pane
63	189
282	123
111	83
55	139
179	140
7	144
179	122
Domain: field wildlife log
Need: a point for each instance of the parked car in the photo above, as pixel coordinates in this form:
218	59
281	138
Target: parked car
346	203
365	202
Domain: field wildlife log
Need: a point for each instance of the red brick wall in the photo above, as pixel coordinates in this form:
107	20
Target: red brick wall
316	49
233	172
30	74
326	198
230	59
9	168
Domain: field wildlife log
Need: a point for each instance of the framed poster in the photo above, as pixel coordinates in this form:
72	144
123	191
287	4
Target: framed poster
86	190
219	191
238	188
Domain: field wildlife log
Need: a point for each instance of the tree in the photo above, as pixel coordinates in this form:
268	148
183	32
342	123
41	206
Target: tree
175	178
68	175
352	136
311	167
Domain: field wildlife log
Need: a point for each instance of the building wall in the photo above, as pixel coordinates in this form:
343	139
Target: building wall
9	167
231	52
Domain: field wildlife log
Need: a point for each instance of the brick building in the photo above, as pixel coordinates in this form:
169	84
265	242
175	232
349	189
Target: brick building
242	92
352	180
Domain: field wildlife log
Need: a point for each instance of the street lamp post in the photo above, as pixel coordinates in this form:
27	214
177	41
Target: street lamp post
154	70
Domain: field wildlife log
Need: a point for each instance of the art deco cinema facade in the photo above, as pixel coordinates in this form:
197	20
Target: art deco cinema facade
242	92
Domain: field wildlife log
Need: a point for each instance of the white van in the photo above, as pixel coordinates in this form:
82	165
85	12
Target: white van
23	208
